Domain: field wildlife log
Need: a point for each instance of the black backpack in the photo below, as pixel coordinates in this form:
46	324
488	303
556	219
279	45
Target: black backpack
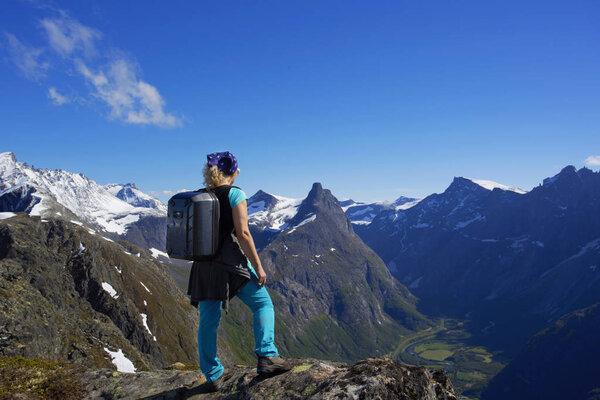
193	225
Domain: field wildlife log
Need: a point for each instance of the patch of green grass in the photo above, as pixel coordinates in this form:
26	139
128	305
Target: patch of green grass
469	368
436	355
434	346
38	378
482	353
469	376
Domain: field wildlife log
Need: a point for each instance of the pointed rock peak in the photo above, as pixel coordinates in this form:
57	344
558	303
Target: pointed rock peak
261	192
566	173
261	201
568	170
130	185
460	184
261	195
317	194
8	163
8	156
316	188
585	172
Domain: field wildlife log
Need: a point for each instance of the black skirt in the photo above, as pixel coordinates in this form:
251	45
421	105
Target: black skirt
220	278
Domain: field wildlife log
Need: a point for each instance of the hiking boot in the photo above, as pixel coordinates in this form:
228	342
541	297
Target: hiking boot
272	365
215	385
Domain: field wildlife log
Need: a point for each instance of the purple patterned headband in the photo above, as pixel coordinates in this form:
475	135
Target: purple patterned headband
225	161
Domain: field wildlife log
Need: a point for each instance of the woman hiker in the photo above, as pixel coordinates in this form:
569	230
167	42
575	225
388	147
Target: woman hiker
236	270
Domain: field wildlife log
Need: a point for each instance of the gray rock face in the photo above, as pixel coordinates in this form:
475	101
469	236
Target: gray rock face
148	232
334	298
373	378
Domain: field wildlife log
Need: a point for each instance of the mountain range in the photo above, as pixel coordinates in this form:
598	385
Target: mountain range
348	278
118	211
508	260
334	297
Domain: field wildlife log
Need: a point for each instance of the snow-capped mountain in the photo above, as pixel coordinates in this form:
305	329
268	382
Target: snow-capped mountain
497	253
47	192
132	195
269	214
491	185
364	213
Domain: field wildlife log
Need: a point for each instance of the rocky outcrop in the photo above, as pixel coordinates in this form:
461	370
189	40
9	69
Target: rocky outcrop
373	378
68	293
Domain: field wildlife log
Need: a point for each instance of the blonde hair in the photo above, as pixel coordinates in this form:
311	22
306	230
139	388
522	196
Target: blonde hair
213	176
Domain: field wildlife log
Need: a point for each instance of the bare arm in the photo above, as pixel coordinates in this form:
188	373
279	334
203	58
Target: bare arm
240	223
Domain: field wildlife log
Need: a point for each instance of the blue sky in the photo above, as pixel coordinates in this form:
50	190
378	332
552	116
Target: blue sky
375	99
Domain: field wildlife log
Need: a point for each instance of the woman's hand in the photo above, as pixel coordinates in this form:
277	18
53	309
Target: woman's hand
262	276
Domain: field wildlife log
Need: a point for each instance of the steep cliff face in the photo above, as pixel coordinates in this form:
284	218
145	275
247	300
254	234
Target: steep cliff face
66	292
333	295
561	362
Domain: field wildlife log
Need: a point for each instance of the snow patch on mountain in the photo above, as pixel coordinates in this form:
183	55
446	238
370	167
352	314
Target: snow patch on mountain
130	194
110	290
146	287
408	204
156	253
311	218
274	217
81	248
462	224
122	363
491	185
145	322
6	215
117	225
40	207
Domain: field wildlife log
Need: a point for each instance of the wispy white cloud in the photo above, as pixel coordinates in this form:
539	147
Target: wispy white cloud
67	36
129	98
57	98
111	77
27	59
592	161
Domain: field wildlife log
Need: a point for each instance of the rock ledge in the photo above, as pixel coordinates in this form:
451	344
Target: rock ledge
372	378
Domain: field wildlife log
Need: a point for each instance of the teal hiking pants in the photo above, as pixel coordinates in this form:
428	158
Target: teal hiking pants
259	301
